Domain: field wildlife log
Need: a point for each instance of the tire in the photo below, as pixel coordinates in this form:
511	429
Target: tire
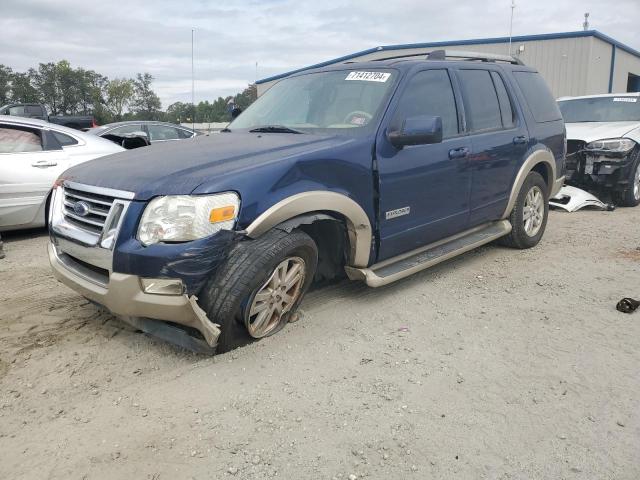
228	297
522	235
630	197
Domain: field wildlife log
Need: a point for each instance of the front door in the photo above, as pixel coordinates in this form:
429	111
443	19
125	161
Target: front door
424	189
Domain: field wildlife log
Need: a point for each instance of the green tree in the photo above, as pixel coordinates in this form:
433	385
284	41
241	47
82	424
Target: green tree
22	88
6	75
119	95
146	104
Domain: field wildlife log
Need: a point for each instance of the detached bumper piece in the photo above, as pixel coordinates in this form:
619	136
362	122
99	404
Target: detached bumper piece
124	296
572	199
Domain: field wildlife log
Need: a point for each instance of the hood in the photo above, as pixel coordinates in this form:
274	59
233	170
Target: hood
590	131
178	168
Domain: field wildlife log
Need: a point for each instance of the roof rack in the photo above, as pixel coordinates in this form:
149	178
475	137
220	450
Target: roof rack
464	55
485	57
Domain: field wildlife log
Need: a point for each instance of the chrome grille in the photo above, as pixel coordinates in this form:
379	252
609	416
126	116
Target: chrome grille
97	209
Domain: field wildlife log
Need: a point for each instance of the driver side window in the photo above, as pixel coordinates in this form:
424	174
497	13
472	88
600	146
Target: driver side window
430	93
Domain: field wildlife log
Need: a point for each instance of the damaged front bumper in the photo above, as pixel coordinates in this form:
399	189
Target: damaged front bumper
596	170
124	297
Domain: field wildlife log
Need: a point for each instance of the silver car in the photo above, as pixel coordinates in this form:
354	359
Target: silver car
33	154
154	131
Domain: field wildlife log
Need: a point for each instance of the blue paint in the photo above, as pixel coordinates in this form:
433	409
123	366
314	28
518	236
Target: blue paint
475	41
446	195
612	67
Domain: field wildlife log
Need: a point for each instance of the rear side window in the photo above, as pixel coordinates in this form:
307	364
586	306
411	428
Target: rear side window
539	99
18	140
65	140
506	109
17	111
163	132
123	130
480	100
184	133
430	93
33	110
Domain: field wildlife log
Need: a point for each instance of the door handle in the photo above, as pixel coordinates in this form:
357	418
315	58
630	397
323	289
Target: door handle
44	163
459	152
519	139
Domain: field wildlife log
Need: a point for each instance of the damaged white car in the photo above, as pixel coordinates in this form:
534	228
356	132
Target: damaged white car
603	145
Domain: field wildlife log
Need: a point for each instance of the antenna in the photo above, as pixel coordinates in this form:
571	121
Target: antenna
585	25
513	7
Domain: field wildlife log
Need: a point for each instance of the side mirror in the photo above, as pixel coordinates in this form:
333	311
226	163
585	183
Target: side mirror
235	112
420	130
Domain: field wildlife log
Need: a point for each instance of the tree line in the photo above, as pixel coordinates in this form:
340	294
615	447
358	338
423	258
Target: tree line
65	90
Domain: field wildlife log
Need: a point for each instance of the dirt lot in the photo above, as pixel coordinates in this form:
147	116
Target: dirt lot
500	364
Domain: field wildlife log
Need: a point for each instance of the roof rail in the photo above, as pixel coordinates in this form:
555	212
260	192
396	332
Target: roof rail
485	57
444	54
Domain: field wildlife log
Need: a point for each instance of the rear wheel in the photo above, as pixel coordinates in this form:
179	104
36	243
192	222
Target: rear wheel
260	287
529	215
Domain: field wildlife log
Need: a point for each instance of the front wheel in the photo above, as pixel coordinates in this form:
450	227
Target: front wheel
630	197
261	285
529	215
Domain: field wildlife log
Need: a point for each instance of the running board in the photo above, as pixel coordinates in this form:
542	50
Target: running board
402	266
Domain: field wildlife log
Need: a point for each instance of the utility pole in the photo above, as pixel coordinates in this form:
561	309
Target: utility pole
513	6
193	85
585	25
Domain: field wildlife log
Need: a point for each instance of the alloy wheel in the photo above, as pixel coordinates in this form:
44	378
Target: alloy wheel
533	211
276	297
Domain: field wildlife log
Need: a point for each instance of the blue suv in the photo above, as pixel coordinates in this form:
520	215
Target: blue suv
377	170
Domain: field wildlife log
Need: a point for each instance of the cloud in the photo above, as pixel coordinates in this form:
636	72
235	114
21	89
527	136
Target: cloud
119	39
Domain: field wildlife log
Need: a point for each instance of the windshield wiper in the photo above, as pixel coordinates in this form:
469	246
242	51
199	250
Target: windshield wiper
273	129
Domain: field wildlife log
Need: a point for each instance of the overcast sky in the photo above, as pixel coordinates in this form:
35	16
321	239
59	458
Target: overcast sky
119	38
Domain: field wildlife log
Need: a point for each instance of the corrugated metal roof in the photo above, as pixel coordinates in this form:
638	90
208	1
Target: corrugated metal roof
475	41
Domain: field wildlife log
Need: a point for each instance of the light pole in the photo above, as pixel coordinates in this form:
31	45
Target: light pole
513	6
193	90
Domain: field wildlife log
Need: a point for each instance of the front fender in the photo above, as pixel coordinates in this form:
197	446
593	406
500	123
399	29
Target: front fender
357	221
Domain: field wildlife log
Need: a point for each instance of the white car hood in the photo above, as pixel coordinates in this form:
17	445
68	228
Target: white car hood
590	131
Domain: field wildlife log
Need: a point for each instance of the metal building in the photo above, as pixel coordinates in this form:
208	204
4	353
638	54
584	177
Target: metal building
573	63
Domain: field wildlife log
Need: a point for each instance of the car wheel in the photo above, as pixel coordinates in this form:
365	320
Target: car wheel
260	286
529	216
631	196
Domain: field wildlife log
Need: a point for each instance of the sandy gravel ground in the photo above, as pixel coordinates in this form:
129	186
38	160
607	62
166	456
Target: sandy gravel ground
500	364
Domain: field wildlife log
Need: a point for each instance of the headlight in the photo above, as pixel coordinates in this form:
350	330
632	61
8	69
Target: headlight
181	218
612	145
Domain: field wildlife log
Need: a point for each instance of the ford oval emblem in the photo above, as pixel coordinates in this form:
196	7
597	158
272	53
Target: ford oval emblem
81	209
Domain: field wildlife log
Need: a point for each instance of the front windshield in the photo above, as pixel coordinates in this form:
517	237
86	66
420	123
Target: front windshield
601	109
345	101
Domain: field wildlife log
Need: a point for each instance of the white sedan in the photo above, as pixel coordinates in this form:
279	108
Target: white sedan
33	153
603	144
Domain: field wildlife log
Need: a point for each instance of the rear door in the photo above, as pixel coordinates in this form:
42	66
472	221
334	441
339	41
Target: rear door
424	189
30	161
499	138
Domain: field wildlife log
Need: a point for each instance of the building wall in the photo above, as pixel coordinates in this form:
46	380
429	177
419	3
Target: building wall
625	64
598	68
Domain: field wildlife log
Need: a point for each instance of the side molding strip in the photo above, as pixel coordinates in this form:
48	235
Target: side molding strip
358	224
